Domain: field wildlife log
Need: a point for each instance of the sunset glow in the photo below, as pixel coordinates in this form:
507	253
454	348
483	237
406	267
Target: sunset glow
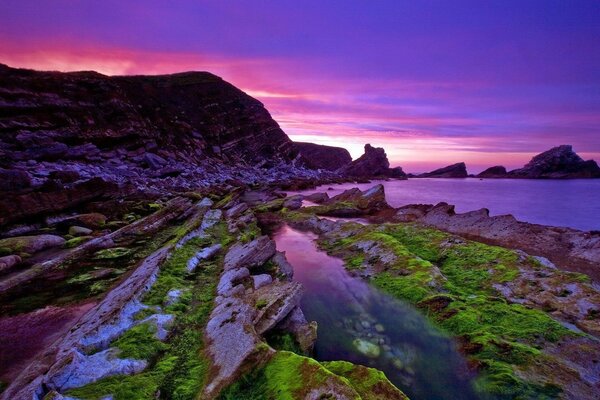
482	93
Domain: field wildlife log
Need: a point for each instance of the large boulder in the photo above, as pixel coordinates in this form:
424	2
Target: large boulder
250	255
560	162
458	170
317	156
31	244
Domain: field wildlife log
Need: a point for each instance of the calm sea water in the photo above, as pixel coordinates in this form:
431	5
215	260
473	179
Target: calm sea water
571	203
357	323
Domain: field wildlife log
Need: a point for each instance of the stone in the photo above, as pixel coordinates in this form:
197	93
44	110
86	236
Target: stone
367	348
7	262
293	202
65	176
250	255
276	301
285	268
205	254
304	332
154	161
79	231
236	210
317	197
230	278
261	280
493	172
173	297
31	244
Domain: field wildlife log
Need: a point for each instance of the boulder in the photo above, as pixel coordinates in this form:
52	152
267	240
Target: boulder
293	202
7	262
79	231
304	332
250	255
285	268
274	302
31	244
317	197
560	162
261	280
458	170
493	172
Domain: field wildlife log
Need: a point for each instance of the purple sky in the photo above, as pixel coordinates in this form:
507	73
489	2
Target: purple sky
434	82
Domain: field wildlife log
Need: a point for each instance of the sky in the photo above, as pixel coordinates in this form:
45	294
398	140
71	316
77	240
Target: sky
433	82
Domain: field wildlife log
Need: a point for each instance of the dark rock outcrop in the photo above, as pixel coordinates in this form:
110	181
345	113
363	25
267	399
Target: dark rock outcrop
317	156
560	162
493	172
373	163
458	170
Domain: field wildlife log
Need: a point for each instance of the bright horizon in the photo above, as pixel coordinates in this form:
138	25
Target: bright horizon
489	84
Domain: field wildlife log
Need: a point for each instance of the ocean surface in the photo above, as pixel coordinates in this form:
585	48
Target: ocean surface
571	203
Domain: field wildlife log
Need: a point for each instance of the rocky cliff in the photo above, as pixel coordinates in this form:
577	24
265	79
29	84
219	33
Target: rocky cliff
373	163
559	162
493	172
317	156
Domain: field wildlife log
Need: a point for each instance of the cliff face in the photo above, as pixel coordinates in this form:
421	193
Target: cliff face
85	115
559	162
373	163
317	156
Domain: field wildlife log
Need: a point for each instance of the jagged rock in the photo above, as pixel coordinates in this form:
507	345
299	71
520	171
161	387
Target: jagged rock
154	161
31	244
205	254
14	180
317	197
293	202
283	265
250	255
7	262
560	162
236	210
354	202
373	163
276	302
230	278
317	156
458	170
305	333
79	231
261	280
493	172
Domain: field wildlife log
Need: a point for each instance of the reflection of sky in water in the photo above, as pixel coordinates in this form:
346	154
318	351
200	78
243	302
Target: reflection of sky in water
350	313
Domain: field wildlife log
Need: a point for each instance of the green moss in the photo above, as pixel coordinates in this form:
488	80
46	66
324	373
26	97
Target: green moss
273	205
115	252
76	241
139	342
260	304
280	340
5	251
411	287
369	383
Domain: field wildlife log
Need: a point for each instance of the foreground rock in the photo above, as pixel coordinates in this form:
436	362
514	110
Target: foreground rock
458	170
560	162
353	203
373	163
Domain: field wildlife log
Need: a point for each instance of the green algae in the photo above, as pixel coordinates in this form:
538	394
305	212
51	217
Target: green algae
112	253
74	242
139	342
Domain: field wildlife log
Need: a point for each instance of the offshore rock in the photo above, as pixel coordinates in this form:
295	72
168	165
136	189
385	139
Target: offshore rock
317	156
493	172
458	170
560	162
373	163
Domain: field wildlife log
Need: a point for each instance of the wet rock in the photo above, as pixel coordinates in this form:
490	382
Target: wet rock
277	301
230	278
367	348
7	262
317	197
283	265
250	255
162	323
458	170
236	210
293	202
304	332
31	244
79	231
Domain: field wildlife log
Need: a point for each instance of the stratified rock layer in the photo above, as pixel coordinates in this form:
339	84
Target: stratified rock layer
317	156
558	163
